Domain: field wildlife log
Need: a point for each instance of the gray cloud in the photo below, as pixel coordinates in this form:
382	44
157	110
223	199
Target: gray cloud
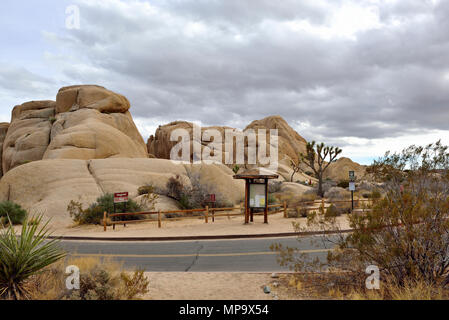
230	62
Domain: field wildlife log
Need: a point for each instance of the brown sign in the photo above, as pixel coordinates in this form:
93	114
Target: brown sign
121	197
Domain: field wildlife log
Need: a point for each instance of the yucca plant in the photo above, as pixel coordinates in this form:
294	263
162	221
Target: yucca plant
24	255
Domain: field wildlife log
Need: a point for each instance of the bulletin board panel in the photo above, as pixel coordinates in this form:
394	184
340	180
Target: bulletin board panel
257	196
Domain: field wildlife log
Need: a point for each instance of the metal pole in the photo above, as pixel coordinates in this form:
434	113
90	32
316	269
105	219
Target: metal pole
352	200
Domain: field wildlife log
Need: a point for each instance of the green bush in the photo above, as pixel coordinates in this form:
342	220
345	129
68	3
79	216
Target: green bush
94	213
272	199
10	211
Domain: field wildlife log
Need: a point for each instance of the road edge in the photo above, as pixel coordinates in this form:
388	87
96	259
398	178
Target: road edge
187	238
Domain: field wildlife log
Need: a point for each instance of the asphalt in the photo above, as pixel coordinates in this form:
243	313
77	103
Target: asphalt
246	255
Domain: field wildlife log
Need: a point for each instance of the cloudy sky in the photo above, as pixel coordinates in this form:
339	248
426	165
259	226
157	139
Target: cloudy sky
368	76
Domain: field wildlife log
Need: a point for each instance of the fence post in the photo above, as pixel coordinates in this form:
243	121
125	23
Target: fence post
322	204
207	214
159	219
285	209
105	215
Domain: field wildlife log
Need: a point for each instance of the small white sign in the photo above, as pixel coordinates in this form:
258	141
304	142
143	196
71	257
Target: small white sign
351	186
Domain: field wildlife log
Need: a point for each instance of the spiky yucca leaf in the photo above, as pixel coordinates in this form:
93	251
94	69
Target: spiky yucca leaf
24	255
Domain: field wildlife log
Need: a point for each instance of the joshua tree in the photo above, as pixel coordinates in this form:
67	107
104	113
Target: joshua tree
296	166
315	158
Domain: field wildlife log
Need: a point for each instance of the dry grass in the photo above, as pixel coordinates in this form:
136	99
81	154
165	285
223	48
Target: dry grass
322	287
50	284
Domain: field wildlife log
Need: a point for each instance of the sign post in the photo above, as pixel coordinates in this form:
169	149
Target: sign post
352	187
120	197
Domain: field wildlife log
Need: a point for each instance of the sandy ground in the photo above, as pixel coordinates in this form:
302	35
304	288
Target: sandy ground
192	227
213	286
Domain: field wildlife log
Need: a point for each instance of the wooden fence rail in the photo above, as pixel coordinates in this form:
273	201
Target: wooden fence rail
205	213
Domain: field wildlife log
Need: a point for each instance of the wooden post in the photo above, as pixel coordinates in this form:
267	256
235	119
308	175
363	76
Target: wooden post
285	209
265	218
246	200
159	219
322	204
105	215
207	214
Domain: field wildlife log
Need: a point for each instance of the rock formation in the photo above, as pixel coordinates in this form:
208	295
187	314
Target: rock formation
48	186
85	122
290	142
339	170
3	130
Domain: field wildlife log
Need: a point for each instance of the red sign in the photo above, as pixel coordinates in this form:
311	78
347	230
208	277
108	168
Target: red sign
211	198
121	197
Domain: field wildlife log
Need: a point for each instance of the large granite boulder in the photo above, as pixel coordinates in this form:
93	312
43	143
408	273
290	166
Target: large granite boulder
85	122
339	170
91	97
3	131
28	135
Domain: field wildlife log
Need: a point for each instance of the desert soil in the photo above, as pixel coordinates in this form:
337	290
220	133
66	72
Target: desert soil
192	227
215	286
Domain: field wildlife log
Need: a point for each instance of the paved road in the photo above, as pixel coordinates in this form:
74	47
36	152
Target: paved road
249	255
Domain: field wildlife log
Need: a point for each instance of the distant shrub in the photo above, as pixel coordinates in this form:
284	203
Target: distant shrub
272	199
376	194
94	213
343	184
194	196
274	186
298	212
148	189
332	211
337	193
104	280
10	211
175	187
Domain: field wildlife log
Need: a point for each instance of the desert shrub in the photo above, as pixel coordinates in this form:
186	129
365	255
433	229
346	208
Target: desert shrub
343	184
272	199
149	198
175	188
24	255
147	189
274	186
105	280
375	194
100	279
406	234
193	196
10	211
135	285
332	211
337	193
94	213
297	213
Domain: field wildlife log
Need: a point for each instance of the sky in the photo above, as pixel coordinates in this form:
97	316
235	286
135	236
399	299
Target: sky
366	76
